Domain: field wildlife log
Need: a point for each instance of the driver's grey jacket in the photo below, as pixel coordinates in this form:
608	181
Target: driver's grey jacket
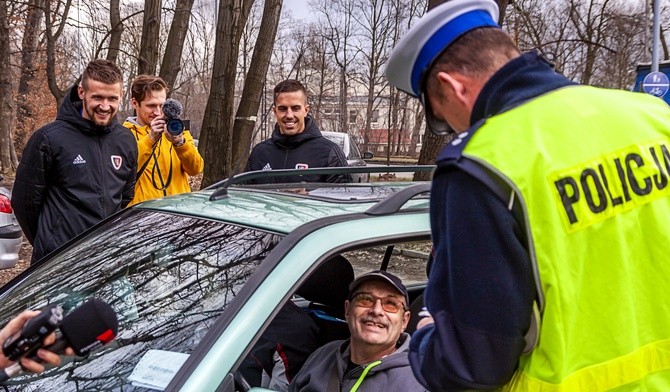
329	364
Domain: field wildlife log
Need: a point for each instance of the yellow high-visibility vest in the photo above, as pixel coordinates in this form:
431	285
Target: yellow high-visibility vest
592	170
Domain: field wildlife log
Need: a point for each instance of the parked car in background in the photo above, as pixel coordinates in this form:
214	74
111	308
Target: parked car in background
351	151
10	231
196	278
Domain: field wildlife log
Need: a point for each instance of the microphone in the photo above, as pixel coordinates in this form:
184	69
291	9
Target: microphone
91	325
172	111
172	108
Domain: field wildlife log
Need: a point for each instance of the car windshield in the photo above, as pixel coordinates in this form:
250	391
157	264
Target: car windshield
167	276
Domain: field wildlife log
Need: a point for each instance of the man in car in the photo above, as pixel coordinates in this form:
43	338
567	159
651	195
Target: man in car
296	141
78	169
375	358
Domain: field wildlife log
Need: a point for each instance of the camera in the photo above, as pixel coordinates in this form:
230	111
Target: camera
172	113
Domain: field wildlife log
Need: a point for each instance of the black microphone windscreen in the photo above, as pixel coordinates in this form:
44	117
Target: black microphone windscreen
91	325
172	108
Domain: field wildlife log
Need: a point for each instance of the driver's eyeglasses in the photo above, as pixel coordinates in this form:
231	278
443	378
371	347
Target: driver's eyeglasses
366	300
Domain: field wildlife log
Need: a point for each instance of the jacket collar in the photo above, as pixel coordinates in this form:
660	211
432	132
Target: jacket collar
521	79
311	132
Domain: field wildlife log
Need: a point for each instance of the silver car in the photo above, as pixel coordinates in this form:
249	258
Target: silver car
351	151
10	231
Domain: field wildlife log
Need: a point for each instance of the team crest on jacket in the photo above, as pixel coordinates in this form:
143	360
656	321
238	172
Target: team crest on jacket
301	166
116	161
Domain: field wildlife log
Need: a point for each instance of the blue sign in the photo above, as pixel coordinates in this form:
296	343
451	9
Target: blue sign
656	84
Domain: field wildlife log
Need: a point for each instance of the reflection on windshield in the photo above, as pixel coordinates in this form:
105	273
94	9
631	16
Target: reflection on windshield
168	277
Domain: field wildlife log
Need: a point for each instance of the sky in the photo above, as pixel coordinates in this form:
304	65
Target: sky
298	8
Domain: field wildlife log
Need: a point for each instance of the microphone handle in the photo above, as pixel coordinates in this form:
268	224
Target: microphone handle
57	347
10	371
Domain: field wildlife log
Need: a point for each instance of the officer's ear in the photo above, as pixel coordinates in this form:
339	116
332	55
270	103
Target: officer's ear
464	89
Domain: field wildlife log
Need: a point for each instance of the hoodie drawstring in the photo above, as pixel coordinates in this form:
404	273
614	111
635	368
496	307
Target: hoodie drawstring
365	373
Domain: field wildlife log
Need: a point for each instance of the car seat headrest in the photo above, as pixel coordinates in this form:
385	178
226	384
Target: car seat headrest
329	284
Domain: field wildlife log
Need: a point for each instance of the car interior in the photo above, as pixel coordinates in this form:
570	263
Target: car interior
323	293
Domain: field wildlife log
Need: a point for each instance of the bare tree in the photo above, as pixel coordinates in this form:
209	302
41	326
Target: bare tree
148	58
338	30
245	119
55	18
376	23
590	19
25	115
116	32
171	64
217	123
6	109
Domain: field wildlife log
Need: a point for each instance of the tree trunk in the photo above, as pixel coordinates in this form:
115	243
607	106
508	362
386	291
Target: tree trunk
245	119
51	38
432	145
217	123
6	112
149	44
25	116
368	118
416	130
117	30
171	64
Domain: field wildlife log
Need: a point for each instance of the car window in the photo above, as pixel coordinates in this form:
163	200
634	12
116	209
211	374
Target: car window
167	276
354	152
407	260
337	138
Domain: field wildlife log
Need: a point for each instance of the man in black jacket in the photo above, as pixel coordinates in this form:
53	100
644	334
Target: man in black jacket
78	169
296	141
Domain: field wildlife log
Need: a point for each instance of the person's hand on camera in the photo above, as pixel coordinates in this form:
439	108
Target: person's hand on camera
13	327
157	128
176	140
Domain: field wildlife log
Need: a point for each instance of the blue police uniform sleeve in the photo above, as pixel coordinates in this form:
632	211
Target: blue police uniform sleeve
480	290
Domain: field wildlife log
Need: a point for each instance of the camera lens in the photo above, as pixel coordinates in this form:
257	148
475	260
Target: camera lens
175	126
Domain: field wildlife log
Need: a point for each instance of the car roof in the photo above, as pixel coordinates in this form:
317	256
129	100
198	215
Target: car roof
280	209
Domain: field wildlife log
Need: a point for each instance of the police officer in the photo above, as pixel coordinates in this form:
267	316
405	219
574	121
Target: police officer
549	214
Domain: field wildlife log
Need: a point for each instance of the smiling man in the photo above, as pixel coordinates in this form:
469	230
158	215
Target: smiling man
296	141
165	160
78	169
375	358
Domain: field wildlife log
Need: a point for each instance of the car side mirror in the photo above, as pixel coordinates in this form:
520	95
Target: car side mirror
368	155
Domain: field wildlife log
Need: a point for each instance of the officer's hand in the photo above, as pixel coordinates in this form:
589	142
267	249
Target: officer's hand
425	321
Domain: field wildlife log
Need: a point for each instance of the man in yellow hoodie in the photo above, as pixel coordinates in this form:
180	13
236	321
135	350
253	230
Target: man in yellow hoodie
164	160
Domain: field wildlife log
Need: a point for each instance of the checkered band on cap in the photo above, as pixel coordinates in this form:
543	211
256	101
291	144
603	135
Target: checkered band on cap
431	35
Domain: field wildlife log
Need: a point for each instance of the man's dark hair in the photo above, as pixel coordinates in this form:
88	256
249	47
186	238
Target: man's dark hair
103	71
479	52
288	86
143	84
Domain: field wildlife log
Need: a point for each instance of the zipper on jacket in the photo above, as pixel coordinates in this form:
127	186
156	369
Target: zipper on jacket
103	183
